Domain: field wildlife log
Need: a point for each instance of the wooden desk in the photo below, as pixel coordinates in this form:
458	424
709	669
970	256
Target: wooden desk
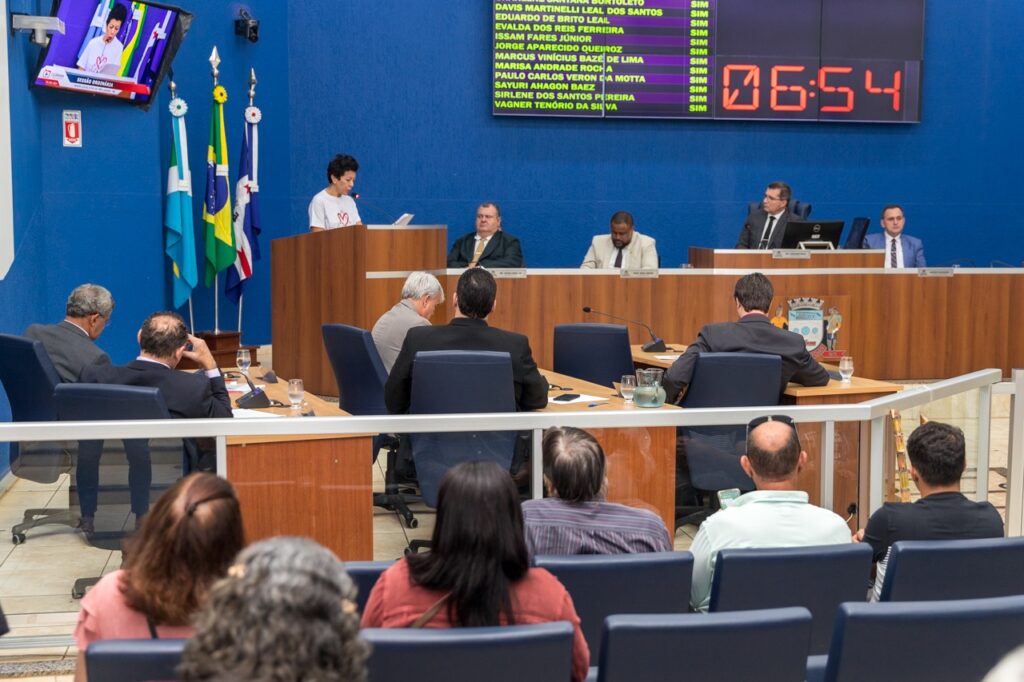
849	483
317	486
766	260
641	462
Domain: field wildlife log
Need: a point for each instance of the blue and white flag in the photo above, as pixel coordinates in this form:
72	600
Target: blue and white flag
180	238
246	216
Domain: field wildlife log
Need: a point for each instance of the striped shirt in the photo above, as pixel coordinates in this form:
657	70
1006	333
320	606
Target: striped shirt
554	526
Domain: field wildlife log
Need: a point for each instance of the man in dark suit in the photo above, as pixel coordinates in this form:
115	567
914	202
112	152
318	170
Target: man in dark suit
163	342
489	246
901	250
474	300
765	226
752	333
71	344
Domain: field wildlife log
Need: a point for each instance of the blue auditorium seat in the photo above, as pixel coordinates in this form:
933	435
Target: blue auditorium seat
921	570
598	353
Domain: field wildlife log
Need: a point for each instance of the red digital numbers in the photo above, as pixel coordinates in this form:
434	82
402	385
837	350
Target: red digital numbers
729	97
780	87
825	87
897	80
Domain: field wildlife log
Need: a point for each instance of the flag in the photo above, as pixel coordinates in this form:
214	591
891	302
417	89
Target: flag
247	209
220	242
180	239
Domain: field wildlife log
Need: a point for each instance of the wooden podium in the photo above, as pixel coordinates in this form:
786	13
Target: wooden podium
792	258
335	276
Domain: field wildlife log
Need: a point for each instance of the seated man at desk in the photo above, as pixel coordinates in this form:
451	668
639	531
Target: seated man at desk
765	226
752	333
474	300
421	294
71	344
489	246
901	250
623	248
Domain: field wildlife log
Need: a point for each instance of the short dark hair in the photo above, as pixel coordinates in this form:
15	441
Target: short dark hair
162	334
574	463
777	465
497	209
938	452
622	217
478	549
785	192
118	12
476	290
339	165
889	208
754	292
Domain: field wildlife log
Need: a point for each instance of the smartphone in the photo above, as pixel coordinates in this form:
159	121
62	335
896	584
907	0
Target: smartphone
727	497
566	397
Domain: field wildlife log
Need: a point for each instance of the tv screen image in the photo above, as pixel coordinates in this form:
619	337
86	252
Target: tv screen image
114	48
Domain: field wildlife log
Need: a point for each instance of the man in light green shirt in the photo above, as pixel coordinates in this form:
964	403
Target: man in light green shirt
777	514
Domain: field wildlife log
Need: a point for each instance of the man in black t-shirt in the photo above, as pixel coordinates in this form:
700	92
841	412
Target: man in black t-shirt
937	461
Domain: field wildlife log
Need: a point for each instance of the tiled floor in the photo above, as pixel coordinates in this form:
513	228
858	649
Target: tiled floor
35	577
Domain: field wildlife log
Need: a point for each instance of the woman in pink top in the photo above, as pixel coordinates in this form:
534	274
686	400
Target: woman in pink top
477	564
186	542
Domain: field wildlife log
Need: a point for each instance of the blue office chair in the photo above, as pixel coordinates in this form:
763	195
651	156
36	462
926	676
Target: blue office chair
816	578
134	660
797	208
602	585
713	452
767	646
923	570
361	376
921	641
512	653
858	228
365	574
29	379
598	353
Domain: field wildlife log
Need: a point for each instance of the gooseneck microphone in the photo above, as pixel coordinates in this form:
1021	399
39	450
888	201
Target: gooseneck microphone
655	345
255	398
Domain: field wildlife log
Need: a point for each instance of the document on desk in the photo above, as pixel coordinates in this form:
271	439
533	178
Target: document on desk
241	386
578	399
242	413
668	357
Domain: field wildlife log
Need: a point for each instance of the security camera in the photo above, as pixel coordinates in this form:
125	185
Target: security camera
247	26
40	27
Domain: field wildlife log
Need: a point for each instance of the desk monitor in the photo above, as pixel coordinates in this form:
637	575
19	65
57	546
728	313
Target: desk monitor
820	231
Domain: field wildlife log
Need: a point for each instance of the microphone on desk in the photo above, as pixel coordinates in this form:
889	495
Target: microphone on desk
255	398
655	345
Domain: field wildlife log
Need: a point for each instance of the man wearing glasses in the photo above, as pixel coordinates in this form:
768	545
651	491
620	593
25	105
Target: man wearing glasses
777	514
71	344
764	227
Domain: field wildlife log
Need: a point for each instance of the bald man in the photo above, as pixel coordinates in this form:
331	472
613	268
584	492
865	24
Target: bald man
777	514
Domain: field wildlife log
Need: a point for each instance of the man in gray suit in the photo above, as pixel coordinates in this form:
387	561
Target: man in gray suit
421	295
623	248
71	344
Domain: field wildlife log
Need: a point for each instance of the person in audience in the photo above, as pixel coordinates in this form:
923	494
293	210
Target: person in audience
623	248
937	460
766	225
184	545
477	572
285	611
71	344
489	246
777	514
421	295
474	299
333	206
901	250
576	519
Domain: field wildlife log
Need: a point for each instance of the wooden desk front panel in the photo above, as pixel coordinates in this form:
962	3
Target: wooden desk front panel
406	249
764	260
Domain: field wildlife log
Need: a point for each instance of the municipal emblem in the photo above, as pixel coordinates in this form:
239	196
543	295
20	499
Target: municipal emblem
806	318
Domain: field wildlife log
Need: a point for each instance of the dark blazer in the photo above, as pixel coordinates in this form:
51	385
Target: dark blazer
467	334
913	248
502	251
70	349
753	228
753	333
188	395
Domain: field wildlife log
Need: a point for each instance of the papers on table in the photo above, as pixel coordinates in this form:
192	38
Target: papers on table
668	357
241	386
581	399
242	413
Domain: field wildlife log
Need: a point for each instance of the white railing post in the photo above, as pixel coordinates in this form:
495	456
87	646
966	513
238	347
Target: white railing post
828	454
1015	460
876	475
222	456
537	465
984	441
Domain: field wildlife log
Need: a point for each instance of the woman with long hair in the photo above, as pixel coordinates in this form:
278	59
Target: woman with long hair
186	542
477	572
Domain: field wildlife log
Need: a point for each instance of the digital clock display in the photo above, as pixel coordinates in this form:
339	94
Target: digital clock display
814	60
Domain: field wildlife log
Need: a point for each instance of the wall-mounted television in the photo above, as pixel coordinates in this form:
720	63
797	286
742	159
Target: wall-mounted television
113	48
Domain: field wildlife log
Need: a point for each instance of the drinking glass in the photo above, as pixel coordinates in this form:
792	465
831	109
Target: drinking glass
627	386
295	392
846	368
243	360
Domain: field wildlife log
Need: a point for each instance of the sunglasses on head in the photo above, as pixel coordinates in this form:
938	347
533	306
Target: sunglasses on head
754	423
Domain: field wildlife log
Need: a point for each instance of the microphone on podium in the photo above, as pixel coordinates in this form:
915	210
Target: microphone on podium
377	209
655	345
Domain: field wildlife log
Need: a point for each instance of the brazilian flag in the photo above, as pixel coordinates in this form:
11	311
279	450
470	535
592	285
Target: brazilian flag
220	237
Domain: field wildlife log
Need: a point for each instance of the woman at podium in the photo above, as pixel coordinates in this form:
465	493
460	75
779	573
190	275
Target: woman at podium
332	206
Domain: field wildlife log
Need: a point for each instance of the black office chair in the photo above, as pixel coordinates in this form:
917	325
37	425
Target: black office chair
29	379
816	578
927	570
605	584
361	376
797	208
512	653
134	660
365	574
598	353
767	646
855	238
713	452
456	382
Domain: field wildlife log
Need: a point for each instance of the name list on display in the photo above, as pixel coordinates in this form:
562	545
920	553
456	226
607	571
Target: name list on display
604	58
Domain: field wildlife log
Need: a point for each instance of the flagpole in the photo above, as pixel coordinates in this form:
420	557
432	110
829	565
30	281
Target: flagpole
191	320
252	97
214	62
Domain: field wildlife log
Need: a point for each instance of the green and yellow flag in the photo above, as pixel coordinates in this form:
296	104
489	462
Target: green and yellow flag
220	237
